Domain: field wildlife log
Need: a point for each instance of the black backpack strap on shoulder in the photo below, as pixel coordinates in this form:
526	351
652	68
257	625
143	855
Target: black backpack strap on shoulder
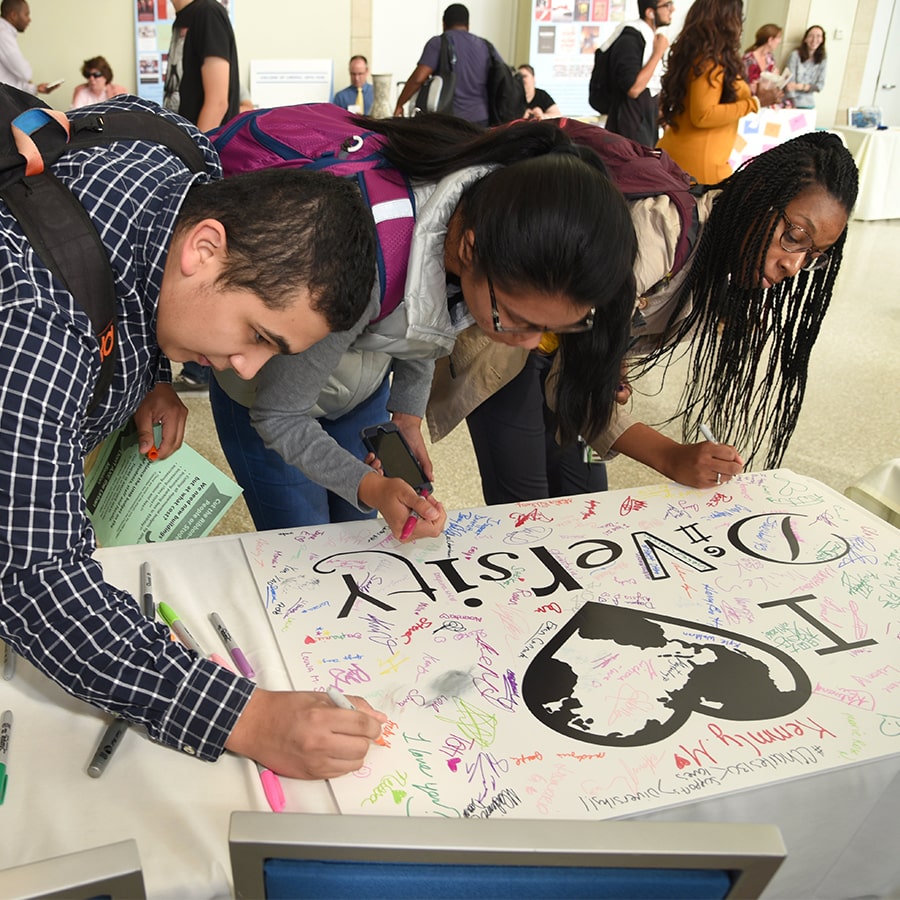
59	228
136	125
62	234
66	241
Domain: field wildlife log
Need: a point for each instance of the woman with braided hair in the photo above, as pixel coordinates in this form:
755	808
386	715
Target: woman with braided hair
747	304
753	298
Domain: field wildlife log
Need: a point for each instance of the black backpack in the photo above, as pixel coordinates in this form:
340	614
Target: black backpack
436	95
599	95
506	92
32	137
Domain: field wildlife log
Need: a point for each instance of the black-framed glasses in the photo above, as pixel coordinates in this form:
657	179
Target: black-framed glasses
669	5
94	74
586	324
795	239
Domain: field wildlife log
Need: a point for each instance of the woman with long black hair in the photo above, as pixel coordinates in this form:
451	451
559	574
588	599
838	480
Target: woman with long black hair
518	231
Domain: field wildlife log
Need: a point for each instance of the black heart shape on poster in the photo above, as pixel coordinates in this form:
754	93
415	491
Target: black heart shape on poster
623	677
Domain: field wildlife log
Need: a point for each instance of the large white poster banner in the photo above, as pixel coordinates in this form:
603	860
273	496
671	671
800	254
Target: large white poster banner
604	654
564	36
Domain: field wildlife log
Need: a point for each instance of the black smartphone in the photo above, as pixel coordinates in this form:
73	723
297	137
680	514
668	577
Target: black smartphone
397	460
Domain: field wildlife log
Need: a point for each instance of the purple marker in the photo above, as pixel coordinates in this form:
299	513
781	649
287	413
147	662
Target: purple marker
236	653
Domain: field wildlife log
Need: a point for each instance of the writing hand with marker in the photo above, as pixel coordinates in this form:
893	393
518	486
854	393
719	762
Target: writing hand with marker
302	734
701	465
161	406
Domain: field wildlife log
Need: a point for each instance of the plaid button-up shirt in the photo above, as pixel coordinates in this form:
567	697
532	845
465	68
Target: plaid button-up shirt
57	610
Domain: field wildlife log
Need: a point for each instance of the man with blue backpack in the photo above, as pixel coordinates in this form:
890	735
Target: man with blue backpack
224	273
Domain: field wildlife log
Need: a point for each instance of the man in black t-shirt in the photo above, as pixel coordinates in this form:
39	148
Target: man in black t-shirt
202	81
203	85
635	53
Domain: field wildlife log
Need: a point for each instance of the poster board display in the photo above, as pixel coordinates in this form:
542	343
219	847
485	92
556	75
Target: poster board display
564	36
600	655
282	82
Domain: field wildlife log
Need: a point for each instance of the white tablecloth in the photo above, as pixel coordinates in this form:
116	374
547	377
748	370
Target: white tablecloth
877	153
176	807
840	827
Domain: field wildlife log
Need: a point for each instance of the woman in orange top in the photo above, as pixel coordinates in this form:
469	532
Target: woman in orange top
703	92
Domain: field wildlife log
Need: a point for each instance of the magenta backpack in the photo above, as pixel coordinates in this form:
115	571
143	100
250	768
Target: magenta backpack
640	171
324	137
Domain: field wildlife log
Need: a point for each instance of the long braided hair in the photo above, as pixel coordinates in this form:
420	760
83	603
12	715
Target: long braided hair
750	347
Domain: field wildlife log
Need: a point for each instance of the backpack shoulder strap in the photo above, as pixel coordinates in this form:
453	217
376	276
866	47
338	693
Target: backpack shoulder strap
136	125
59	228
640	172
390	197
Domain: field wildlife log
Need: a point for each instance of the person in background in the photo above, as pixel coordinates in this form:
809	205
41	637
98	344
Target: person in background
636	50
746	306
360	95
203	85
807	65
200	277
703	92
98	85
15	17
246	103
473	58
759	58
538	103
516	230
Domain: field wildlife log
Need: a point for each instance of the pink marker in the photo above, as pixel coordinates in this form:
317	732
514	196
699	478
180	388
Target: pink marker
271	788
410	524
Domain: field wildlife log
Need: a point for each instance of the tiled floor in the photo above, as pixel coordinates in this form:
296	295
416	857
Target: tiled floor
851	415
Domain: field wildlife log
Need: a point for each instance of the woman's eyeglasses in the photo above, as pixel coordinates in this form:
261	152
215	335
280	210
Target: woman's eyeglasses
586	324
94	74
795	239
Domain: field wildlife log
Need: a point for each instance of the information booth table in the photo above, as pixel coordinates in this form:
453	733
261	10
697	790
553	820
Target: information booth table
877	154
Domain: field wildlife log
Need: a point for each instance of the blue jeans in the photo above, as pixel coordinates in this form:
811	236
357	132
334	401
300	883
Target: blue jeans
194	370
279	495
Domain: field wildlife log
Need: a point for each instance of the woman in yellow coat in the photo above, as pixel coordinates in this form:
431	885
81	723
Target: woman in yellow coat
703	92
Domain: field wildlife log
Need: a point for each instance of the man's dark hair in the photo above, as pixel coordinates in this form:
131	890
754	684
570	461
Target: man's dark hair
359	56
8	7
456	14
288	230
643	6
